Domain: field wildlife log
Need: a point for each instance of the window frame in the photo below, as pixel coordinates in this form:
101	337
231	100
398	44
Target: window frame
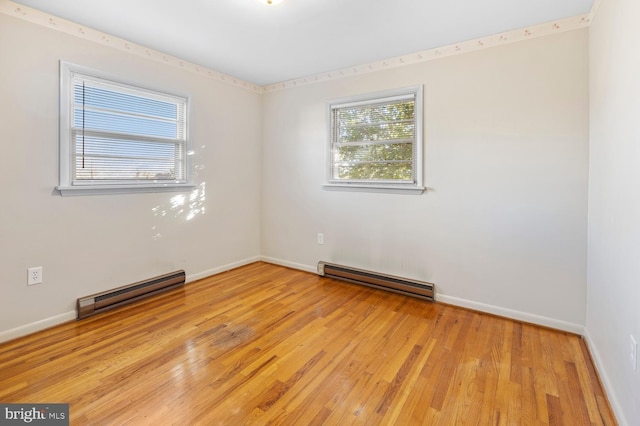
67	186
415	187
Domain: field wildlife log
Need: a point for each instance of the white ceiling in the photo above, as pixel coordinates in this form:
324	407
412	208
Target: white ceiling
297	38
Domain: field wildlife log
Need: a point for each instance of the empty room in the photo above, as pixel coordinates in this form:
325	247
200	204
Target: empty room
320	212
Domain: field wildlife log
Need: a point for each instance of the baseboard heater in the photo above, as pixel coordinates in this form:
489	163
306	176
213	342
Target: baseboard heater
408	287
107	300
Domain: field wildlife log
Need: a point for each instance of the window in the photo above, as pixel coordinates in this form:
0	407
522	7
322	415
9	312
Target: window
117	138
376	142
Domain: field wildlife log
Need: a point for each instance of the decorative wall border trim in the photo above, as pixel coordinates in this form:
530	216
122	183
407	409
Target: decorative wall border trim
41	18
59	24
541	30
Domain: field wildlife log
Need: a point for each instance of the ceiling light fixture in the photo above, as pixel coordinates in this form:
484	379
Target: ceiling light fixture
271	2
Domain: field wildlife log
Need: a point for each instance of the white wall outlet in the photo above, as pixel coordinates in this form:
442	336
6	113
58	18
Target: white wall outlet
320	238
633	355
34	275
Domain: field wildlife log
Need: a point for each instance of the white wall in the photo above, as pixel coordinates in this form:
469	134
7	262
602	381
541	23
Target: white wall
503	225
89	244
613	289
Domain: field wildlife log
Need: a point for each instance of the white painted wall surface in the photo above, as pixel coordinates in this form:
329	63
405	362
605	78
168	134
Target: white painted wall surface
502	227
613	290
94	243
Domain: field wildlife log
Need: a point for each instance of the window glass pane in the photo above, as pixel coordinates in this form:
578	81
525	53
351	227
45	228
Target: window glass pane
123	134
402	110
375	171
113	168
375	132
100	158
134	125
111	99
374	141
379	152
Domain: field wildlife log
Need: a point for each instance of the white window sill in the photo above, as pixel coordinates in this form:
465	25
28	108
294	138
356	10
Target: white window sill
66	191
389	189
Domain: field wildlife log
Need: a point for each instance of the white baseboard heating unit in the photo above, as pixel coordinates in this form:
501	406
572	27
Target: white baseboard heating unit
408	287
101	302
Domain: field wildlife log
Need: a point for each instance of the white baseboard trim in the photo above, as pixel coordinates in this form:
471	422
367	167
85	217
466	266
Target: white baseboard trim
220	269
496	310
482	307
68	316
36	326
513	314
288	264
604	378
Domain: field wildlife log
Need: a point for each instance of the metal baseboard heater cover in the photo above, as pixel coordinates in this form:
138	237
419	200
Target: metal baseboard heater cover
408	287
107	300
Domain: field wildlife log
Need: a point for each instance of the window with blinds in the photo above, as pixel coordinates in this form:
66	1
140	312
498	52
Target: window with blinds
376	140
114	135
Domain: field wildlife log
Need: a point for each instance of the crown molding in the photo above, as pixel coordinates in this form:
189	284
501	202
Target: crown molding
56	23
541	30
50	21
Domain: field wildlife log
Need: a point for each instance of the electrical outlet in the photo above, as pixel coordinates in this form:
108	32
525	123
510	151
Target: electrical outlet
633	355
34	275
320	238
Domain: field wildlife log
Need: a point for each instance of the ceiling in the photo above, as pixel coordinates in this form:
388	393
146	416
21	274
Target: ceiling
268	44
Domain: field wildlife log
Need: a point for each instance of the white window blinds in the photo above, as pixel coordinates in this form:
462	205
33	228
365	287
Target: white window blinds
124	135
375	140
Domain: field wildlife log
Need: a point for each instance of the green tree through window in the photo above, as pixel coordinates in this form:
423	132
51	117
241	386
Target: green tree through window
375	140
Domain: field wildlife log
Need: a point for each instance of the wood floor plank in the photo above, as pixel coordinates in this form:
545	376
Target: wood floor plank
267	345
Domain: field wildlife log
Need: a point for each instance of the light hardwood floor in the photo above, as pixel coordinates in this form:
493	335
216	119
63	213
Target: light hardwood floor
263	344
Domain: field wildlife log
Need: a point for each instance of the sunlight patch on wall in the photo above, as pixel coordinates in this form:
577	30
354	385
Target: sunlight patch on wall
181	206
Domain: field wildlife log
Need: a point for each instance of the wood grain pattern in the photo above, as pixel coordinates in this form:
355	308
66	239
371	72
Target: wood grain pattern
263	344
